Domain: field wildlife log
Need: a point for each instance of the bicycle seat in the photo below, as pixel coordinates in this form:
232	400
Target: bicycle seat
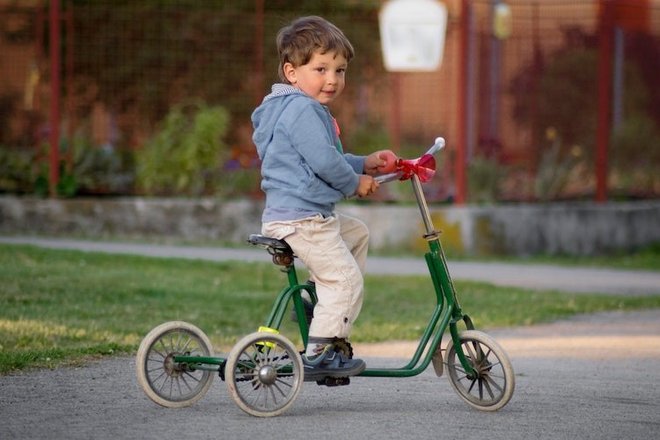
279	249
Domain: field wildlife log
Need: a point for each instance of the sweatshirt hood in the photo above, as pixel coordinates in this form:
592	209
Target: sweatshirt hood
266	115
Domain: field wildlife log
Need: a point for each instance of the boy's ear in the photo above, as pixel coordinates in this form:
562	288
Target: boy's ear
289	72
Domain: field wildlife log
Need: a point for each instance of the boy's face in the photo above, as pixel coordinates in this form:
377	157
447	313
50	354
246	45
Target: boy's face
323	78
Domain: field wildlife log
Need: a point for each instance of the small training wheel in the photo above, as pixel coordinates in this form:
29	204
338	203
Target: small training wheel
171	384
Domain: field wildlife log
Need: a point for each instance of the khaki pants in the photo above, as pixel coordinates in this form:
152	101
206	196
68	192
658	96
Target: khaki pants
334	249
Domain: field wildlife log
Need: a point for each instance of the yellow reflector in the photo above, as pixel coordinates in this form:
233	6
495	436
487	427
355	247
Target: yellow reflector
263	329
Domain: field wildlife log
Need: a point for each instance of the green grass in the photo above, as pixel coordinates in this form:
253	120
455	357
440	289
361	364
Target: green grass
646	258
61	307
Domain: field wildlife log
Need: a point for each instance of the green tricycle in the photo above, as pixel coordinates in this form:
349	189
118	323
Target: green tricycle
264	371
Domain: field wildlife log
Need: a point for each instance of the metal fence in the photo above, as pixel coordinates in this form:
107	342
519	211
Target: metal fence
522	102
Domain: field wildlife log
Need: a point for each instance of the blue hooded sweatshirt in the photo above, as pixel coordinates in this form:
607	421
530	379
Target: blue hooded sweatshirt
304	172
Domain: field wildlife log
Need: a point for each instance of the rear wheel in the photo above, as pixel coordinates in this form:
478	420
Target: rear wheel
164	381
264	374
491	385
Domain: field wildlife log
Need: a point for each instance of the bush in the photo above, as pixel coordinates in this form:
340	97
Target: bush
557	168
367	138
27	171
103	170
185	156
485	179
635	156
17	174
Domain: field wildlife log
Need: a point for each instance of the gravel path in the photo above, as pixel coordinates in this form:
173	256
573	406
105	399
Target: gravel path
591	377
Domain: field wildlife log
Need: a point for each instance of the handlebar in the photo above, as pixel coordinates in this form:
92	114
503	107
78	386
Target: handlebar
388	177
437	146
423	166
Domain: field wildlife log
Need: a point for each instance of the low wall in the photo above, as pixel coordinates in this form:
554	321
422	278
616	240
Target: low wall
525	229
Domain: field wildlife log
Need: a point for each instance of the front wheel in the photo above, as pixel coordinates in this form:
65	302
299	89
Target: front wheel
168	383
491	385
264	374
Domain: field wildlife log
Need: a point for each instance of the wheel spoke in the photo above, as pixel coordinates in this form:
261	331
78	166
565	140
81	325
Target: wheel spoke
486	386
255	398
192	377
154	351
247	364
178	381
482	358
281	383
165	350
270	390
159	366
469	353
163	374
472	382
163	389
184	347
489	380
494	365
496	376
457	366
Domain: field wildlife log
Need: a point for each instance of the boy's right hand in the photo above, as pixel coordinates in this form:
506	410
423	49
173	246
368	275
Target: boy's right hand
367	185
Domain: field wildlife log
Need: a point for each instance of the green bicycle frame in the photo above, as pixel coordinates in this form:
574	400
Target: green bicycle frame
446	314
447	311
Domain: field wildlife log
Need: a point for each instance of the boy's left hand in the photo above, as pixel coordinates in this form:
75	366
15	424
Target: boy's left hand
380	162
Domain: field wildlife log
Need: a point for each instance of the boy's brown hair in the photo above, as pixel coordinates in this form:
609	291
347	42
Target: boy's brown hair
297	42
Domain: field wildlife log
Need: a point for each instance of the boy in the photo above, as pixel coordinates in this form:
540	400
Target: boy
305	172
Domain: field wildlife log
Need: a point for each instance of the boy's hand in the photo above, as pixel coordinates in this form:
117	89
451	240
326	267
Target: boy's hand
380	162
367	185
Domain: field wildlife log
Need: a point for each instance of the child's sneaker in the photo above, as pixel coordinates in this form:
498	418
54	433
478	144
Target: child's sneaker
330	363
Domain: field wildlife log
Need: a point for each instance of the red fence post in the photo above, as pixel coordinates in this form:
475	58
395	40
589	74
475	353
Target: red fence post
54	134
68	94
604	127
460	163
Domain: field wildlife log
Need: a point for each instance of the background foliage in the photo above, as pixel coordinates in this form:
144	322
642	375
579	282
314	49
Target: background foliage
125	64
183	157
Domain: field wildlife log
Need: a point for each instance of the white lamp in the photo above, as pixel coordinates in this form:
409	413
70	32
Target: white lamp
412	34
